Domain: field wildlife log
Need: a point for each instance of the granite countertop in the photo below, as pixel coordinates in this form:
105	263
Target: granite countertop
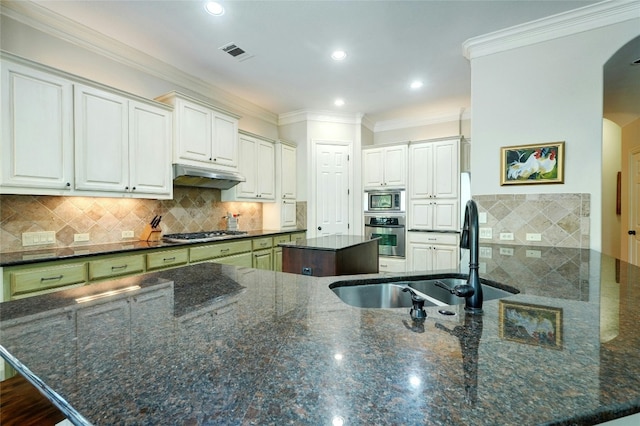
329	242
61	253
217	344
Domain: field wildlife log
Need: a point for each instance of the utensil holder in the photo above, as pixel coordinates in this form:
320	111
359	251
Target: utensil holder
150	234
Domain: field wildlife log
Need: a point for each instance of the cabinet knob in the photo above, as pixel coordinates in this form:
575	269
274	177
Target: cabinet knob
319	228
215	159
126	188
133	189
68	184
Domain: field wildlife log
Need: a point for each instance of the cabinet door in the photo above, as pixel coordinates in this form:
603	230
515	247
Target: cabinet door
277	259
266	172
445	169
244	259
101	136
421	214
263	259
373	168
445	215
395	166
193	132
420	257
37	144
247	166
225	141
288	171
150	149
445	257
421	171
288	213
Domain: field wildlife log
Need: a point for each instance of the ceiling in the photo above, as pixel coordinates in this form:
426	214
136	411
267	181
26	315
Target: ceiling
288	43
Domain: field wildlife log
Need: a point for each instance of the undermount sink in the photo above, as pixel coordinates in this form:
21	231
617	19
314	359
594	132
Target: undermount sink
390	295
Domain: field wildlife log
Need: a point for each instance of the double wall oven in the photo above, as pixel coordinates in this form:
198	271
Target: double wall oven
385	218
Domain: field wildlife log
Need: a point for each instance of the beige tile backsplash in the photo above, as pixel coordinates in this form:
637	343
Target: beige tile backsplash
104	219
561	219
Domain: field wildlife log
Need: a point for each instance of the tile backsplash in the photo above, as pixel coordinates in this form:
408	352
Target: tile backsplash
104	219
562	220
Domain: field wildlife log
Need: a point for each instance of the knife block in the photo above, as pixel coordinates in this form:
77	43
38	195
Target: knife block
151	234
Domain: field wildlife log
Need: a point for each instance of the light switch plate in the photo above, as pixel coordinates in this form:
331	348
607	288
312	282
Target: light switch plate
38	238
506	251
506	236
486	233
482	217
127	234
534	237
486	252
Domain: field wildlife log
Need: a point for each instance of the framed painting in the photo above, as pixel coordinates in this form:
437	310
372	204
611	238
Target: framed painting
531	324
532	164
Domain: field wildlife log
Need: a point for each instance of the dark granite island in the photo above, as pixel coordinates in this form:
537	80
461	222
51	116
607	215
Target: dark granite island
331	255
215	344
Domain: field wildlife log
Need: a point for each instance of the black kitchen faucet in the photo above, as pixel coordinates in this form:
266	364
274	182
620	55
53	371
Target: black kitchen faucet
469	240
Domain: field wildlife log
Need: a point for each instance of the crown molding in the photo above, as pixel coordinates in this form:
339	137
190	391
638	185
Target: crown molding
321	116
563	24
406	123
61	27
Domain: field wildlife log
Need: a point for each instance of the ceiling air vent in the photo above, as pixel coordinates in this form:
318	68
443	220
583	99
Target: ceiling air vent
238	53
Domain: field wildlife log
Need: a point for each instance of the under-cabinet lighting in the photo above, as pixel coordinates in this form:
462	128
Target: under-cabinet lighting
107	294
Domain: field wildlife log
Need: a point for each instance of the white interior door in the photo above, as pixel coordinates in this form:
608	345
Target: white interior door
634	210
332	189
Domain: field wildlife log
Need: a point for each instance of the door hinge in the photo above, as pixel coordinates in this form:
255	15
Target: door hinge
348	191
348	157
348	226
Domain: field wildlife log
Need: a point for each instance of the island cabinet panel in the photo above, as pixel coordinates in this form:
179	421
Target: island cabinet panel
32	281
357	259
117	266
167	259
212	251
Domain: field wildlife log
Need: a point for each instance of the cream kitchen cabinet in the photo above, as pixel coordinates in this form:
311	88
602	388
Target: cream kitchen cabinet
122	146
391	264
257	165
282	213
385	167
429	251
204	135
434	214
37	131
434	169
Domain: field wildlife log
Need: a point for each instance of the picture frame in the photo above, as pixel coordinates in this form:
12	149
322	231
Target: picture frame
532	164
530	324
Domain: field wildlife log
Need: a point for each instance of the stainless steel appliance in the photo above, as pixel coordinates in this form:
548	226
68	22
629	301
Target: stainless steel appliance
200	237
391	231
381	201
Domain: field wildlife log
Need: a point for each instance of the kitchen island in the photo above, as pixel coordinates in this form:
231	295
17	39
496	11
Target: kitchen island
331	255
217	344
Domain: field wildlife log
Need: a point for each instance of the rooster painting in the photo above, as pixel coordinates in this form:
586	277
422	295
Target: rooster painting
532	163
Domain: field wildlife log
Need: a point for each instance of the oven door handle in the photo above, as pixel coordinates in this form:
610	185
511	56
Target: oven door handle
384	226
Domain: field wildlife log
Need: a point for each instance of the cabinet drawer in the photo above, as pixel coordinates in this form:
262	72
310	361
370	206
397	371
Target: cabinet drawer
262	243
433	238
281	239
32	280
243	259
167	258
299	236
217	250
113	267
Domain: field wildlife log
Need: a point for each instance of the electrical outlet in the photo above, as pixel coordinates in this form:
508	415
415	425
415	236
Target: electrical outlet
486	233
506	251
506	236
534	237
533	253
127	234
80	237
482	217
38	238
486	252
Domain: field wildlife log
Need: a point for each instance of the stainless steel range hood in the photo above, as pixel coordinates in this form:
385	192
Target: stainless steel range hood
184	175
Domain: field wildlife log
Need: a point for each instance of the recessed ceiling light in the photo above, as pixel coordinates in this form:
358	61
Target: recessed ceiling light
214	8
416	84
339	102
338	55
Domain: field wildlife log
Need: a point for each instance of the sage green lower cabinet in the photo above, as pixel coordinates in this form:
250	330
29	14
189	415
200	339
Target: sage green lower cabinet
298	236
167	259
277	259
212	251
116	266
33	280
263	259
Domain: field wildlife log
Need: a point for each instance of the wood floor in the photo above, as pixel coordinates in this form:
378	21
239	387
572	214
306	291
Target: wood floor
22	404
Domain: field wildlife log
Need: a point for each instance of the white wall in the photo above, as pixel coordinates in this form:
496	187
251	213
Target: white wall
611	165
434	130
545	92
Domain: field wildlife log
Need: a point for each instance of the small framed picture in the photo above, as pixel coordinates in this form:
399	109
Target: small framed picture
532	164
531	324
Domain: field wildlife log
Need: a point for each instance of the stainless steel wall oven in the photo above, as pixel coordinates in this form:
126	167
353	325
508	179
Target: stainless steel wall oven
391	231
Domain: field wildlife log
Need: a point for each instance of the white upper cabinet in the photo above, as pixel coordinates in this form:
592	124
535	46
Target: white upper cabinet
385	167
434	169
282	213
122	146
37	131
256	163
204	135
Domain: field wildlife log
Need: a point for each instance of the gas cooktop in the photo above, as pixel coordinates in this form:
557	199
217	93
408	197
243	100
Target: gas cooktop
196	237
